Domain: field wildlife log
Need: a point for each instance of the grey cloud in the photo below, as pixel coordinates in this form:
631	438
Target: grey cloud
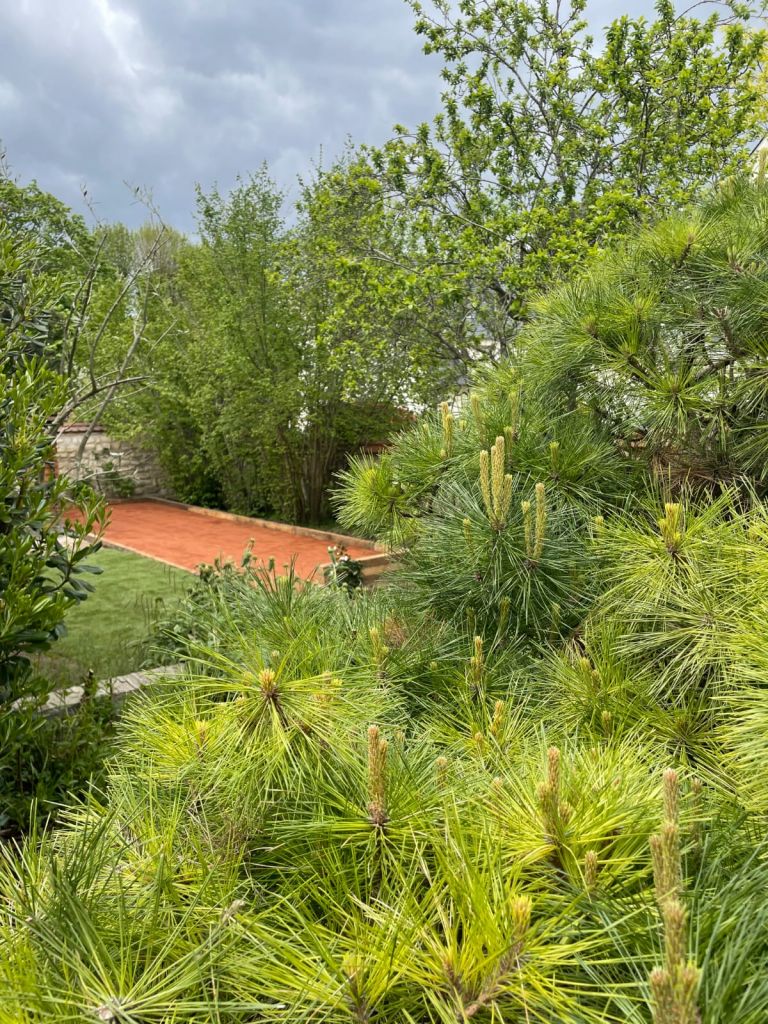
165	94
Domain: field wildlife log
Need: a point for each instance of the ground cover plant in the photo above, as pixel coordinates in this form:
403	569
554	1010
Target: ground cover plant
523	781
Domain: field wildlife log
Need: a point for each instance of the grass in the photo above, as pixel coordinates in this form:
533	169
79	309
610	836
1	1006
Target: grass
106	633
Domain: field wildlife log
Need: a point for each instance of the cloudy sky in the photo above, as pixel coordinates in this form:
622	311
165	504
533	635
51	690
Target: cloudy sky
166	93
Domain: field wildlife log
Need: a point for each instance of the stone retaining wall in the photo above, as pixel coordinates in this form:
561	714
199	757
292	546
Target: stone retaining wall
117	469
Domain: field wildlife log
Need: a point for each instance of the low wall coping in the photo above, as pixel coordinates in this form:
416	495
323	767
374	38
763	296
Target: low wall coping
61	702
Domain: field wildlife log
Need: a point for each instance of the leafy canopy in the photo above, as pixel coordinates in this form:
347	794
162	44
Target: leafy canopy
551	143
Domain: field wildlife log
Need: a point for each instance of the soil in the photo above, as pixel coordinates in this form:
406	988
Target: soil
188	537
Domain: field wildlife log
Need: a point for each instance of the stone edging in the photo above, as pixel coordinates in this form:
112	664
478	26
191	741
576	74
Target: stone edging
105	543
62	702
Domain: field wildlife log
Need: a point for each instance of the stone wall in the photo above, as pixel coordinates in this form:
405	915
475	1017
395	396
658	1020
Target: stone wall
118	469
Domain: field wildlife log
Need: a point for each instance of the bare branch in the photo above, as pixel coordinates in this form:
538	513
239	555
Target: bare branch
58	422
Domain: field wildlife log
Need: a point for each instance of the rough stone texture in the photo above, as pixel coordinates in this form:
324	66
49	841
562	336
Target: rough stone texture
115	468
63	701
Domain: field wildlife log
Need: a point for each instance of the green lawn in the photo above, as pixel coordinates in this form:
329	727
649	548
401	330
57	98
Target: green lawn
106	632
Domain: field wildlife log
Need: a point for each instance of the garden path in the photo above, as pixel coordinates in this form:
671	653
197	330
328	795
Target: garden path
186	537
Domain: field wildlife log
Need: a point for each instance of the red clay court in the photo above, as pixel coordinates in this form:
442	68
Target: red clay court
186	537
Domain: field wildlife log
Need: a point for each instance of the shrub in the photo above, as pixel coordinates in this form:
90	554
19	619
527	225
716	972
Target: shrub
662	343
343	570
47	758
522	782
42	552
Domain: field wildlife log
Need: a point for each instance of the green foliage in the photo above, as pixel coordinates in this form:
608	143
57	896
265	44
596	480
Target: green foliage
523	781
400	805
47	759
270	351
551	143
64	241
41	560
216	592
262	830
663	342
281	353
493	501
43	548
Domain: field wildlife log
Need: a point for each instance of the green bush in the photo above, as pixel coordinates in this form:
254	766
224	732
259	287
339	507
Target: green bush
521	782
43	552
45	759
663	343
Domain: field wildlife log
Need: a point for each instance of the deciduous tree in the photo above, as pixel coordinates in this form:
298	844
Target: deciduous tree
550	142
